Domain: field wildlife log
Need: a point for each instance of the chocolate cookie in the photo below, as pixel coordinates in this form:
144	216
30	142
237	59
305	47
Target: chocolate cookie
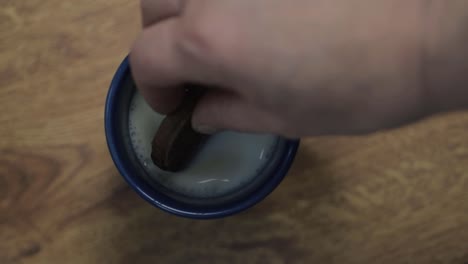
176	142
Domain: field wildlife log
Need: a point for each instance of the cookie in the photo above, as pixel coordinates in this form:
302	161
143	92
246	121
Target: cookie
176	142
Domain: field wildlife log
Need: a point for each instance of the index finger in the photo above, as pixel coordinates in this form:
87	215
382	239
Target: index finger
156	67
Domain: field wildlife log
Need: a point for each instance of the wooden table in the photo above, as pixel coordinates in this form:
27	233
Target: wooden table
394	197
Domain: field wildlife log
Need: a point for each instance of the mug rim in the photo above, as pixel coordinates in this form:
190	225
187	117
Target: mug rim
160	200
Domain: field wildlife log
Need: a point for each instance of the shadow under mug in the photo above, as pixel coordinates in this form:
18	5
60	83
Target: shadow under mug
118	140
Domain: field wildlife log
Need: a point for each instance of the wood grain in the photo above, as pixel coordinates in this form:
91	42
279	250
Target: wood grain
393	197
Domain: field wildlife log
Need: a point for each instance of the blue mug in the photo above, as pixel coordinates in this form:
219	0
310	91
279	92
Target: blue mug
118	140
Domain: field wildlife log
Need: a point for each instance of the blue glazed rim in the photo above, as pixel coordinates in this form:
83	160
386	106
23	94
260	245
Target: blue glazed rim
132	175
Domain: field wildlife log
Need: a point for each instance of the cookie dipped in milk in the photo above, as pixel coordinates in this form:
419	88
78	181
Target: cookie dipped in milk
226	166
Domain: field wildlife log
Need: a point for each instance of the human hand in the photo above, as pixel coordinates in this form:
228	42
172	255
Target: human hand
296	68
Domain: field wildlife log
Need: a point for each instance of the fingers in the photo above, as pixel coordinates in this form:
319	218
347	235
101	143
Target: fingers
156	66
154	11
221	110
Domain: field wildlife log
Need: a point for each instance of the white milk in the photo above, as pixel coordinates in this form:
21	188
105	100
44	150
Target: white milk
227	163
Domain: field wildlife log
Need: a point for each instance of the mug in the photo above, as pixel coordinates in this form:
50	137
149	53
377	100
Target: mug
117	105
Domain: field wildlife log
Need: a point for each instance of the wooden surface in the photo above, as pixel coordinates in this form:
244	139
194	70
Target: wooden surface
394	197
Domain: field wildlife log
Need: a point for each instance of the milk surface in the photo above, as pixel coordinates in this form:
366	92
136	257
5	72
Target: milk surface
228	162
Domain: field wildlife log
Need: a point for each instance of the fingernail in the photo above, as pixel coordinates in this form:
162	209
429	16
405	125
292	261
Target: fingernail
205	129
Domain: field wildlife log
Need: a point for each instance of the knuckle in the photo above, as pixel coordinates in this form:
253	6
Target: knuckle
198	40
205	40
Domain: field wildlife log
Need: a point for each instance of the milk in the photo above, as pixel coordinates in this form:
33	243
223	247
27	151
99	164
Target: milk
226	165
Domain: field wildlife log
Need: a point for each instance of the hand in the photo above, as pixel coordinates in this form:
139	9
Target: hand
296	68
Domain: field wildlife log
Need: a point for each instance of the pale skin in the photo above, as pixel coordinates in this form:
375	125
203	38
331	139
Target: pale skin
305	67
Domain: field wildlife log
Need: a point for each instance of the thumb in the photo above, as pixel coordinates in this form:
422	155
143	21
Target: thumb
221	110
